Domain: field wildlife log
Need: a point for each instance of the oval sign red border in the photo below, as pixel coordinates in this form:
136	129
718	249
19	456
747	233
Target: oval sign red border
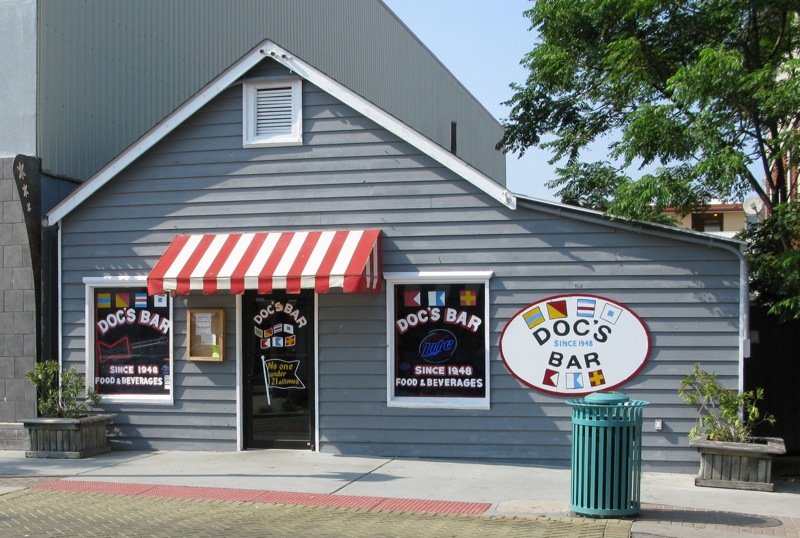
575	344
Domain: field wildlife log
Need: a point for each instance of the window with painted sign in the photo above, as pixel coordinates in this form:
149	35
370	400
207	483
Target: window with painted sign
129	343
438	341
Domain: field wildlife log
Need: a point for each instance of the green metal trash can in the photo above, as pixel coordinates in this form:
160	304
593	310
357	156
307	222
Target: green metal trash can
606	455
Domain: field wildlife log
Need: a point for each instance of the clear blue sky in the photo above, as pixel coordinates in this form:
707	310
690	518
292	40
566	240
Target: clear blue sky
482	42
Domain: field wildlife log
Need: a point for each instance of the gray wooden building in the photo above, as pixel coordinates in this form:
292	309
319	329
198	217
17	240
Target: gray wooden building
293	257
90	77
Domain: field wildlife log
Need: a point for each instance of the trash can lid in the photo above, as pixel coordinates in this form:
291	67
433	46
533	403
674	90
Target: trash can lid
606	398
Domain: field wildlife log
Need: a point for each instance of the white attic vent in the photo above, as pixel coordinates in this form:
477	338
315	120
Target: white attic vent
273	113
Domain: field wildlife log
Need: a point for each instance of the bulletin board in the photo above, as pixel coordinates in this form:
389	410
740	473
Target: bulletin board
205	335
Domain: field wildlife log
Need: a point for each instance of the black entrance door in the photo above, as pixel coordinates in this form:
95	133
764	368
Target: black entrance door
278	369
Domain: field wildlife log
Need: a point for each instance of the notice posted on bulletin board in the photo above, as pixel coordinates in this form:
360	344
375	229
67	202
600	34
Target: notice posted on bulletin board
205	335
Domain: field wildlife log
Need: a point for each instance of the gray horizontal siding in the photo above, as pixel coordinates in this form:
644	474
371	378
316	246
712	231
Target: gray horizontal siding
194	182
204	413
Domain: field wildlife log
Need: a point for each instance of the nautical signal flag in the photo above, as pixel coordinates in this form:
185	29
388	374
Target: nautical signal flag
574	380
468	297
140	300
557	309
259	332
123	300
412	298
160	301
278	341
596	378
586	308
436	298
103	300
611	313
550	378
533	317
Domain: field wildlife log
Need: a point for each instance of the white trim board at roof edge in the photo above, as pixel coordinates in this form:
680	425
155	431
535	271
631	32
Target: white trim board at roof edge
652	228
228	77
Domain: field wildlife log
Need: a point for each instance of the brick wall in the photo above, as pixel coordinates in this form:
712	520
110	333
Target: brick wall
17	306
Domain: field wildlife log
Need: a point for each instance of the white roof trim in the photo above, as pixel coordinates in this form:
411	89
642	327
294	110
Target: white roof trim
395	126
316	77
653	228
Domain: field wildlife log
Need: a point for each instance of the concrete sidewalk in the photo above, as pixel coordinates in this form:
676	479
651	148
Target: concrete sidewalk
671	504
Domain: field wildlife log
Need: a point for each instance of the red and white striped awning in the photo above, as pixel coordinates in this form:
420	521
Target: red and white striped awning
319	260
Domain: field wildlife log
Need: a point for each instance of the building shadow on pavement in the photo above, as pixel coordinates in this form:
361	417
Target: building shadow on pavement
678	516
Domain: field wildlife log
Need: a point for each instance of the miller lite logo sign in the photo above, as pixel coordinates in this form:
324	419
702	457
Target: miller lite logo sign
574	345
438	346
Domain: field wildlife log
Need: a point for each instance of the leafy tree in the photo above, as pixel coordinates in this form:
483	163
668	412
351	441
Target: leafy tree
775	271
704	91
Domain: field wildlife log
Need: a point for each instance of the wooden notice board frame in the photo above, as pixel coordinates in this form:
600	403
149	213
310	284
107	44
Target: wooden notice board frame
205	334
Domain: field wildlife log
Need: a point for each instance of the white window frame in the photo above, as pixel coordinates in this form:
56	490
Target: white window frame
92	284
424	277
294	138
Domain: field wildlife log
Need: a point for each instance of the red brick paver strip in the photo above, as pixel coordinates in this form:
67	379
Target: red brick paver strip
274	497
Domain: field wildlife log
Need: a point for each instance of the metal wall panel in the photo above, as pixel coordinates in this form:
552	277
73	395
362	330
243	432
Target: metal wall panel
349	173
109	70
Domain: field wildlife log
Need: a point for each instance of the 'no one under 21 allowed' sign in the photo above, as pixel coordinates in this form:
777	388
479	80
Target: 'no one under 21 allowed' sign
574	345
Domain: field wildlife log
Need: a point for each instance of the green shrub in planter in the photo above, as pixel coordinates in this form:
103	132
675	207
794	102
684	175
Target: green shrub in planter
730	457
723	414
64	428
66	401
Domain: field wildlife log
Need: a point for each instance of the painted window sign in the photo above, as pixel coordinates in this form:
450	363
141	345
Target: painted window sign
439	341
132	342
575	344
282	344
281	374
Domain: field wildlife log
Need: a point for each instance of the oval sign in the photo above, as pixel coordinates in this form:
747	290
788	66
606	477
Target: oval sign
574	345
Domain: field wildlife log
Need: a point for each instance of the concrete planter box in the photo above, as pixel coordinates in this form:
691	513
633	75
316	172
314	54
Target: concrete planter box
737	465
68	437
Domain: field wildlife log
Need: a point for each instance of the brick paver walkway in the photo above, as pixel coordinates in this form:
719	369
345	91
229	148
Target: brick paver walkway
47	511
53	507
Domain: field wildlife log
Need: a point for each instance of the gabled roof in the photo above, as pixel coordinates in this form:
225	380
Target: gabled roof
307	72
379	116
